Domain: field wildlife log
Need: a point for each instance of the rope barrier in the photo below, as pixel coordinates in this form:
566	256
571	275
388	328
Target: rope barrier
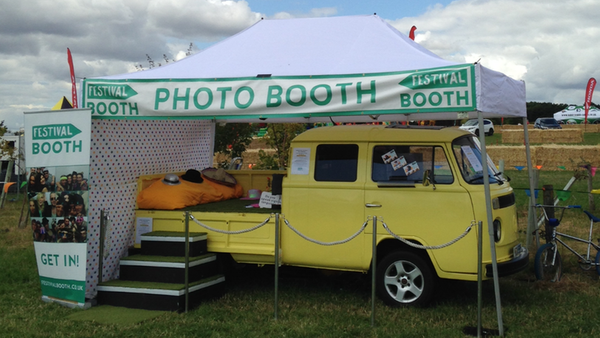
362	228
433	247
326	243
230	232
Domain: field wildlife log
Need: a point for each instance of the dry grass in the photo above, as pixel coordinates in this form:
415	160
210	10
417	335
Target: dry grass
550	157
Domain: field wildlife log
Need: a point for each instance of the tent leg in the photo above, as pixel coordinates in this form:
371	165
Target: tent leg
488	206
532	217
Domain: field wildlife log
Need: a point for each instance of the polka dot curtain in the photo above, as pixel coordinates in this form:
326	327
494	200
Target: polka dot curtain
121	151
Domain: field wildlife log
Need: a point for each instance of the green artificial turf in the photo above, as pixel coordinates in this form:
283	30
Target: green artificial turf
172	234
235	205
154	285
167	259
106	314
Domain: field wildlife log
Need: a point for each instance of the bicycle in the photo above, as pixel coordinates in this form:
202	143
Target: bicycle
548	263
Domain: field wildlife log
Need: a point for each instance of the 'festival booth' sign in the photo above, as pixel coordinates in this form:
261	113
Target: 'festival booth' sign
445	89
58	154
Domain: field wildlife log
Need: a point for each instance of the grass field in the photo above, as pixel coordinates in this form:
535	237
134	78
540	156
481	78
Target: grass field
312	304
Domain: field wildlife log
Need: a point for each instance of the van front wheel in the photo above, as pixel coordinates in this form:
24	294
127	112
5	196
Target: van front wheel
404	279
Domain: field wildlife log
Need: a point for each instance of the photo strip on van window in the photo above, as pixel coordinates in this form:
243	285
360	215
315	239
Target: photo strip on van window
405	163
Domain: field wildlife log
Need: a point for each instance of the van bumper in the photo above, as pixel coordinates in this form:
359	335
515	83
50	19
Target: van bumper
513	266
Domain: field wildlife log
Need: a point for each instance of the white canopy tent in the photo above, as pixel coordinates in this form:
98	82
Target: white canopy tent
355	68
341	69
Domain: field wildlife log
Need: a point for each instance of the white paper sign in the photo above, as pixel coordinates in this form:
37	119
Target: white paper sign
143	225
475	163
300	161
267	200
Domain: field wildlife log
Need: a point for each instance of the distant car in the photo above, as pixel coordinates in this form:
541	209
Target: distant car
546	123
473	127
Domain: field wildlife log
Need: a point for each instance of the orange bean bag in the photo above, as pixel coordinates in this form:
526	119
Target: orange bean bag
170	197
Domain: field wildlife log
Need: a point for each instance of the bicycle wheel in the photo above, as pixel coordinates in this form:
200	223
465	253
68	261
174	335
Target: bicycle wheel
548	264
598	262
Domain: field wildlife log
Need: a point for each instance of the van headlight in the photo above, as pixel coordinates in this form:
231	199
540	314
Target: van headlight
497	230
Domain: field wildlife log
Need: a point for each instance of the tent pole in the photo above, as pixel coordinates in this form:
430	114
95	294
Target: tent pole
488	206
531	220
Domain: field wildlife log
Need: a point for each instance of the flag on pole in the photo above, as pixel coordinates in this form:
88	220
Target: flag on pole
73	85
411	35
589	91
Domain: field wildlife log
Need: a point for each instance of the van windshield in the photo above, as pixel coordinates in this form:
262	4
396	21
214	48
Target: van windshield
467	151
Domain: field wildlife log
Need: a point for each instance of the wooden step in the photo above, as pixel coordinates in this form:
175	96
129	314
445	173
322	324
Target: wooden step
159	296
168	243
167	269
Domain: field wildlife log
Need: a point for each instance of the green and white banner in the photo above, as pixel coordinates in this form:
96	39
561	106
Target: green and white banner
58	137
57	153
62	270
447	89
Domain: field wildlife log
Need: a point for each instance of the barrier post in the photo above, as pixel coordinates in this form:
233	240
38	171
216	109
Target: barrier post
479	275
373	271
101	249
276	265
187	258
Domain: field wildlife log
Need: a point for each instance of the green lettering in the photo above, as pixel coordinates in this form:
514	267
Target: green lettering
236	98
209	98
438	99
360	92
288	96
343	90
162	95
462	98
274	96
419	99
185	99
404	100
223	91
328	95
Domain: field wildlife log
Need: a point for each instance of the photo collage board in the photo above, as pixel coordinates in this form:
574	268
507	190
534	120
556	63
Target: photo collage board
58	203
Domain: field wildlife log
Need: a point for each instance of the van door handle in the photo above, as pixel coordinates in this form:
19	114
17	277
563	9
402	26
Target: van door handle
371	205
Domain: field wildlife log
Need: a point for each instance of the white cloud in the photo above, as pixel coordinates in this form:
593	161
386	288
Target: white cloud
549	44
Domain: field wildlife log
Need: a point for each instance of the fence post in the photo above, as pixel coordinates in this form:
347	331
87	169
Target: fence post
373	270
479	275
548	200
590	187
187	258
7	178
276	266
101	249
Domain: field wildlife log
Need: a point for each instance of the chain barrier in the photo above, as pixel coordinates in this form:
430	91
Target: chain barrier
326	243
362	228
230	232
432	247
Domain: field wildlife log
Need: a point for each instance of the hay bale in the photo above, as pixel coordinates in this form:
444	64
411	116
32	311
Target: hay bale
512	155
548	136
587	128
550	157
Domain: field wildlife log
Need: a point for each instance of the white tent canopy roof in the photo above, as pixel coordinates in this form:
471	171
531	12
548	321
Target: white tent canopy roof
309	46
345	68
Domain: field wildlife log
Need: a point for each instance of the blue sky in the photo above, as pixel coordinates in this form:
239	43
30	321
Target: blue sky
388	9
550	44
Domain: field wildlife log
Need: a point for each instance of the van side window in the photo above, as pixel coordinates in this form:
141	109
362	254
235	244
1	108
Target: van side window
399	163
336	162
